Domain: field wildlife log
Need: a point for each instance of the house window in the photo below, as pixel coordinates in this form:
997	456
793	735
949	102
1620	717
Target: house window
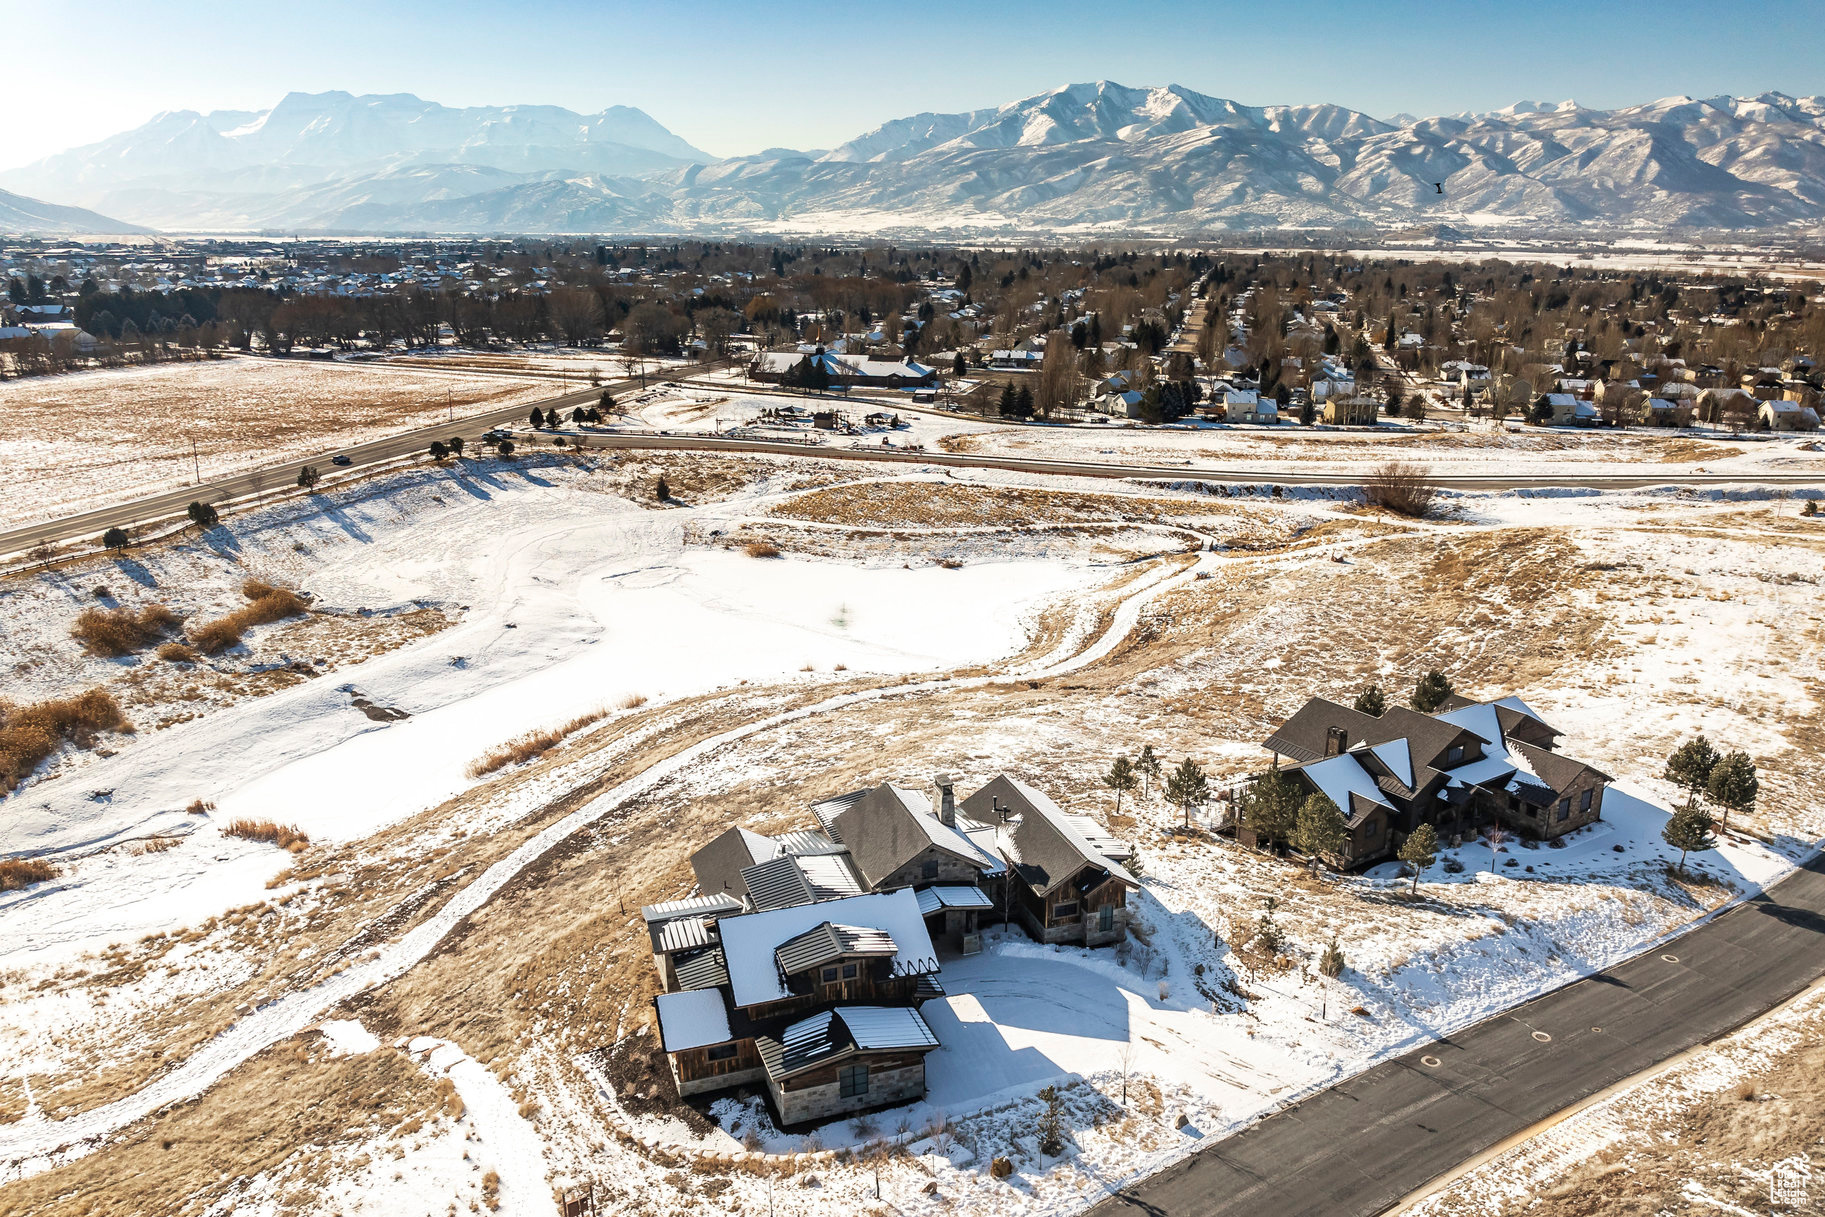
723	1052
1584	803
1065	908
1368	830
829	976
1455	755
1565	809
1105	918
849	971
930	869
853	1081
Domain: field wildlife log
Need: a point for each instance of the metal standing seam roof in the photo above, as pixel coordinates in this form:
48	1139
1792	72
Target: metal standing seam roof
682	934
691	906
843	1032
826	942
786	881
748	941
705	971
951	896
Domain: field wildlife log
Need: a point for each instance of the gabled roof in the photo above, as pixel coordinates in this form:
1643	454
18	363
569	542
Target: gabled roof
787	880
887	826
1555	768
844	1031
719	864
682	934
951	896
703	971
827	941
1045	846
749	940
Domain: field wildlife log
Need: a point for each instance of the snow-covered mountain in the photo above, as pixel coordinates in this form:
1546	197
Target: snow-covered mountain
1086	156
237	169
32	217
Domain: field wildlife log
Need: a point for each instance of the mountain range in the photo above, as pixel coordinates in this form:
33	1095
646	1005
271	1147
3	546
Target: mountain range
1084	158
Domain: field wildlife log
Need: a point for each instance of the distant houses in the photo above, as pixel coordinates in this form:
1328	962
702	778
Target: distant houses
836	369
803	962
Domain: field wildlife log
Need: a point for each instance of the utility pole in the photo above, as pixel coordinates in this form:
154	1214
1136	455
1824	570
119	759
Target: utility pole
196	466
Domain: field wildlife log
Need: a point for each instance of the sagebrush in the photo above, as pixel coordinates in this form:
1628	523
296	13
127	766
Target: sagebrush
265	604
121	631
30	733
530	746
285	836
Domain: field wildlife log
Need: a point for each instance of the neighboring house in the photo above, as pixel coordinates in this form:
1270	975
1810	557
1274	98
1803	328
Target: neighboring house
1066	885
1351	411
1786	416
1016	361
1248	406
845	370
1472	764
1570	411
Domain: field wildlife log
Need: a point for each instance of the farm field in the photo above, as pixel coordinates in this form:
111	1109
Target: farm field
84	437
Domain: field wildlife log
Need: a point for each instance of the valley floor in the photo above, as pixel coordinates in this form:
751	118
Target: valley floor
443	1000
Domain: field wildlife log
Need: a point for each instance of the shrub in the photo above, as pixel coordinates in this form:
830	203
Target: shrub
29	734
950	564
633	701
761	549
531	746
308	476
1401	487
115	538
178	652
202	514
198	807
115	632
288	837
265	604
17	874
661	491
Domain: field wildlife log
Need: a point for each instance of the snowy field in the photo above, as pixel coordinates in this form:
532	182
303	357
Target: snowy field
82	439
1628	620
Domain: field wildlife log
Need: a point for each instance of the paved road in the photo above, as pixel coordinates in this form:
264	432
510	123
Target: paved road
170	504
1367	1143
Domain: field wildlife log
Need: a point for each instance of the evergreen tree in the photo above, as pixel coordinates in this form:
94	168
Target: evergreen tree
1050	1128
536	418
1370	701
202	514
959	365
1689	829
1733	784
1009	401
456	444
1148	766
1431	692
115	538
308	476
1331	965
506	447
438	450
1023	404
1419	851
1270	806
1121	778
1321	829
1690	766
661	491
1187	787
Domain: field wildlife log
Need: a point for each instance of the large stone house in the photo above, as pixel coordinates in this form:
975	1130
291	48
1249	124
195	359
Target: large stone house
801	965
1470	764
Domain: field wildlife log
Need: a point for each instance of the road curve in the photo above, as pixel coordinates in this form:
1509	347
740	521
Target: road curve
1365	1144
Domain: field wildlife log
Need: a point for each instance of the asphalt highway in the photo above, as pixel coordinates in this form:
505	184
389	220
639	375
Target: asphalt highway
1364	1145
169	505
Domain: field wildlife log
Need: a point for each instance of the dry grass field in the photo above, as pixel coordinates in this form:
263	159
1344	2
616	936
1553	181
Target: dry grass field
66	440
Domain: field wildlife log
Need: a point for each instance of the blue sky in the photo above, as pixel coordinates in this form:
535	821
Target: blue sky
735	78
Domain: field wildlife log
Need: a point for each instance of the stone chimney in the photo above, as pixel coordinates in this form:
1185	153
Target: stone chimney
944	799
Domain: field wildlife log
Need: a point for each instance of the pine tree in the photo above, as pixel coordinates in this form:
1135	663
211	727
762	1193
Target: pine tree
1331	964
1270	807
1010	401
661	491
959	365
1321	829
1023	403
1419	851
1690	766
1187	787
1733	784
1431	692
1121	778
536	418
1050	1127
1148	766
438	450
1689	829
308	476
115	538
1370	701
202	514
